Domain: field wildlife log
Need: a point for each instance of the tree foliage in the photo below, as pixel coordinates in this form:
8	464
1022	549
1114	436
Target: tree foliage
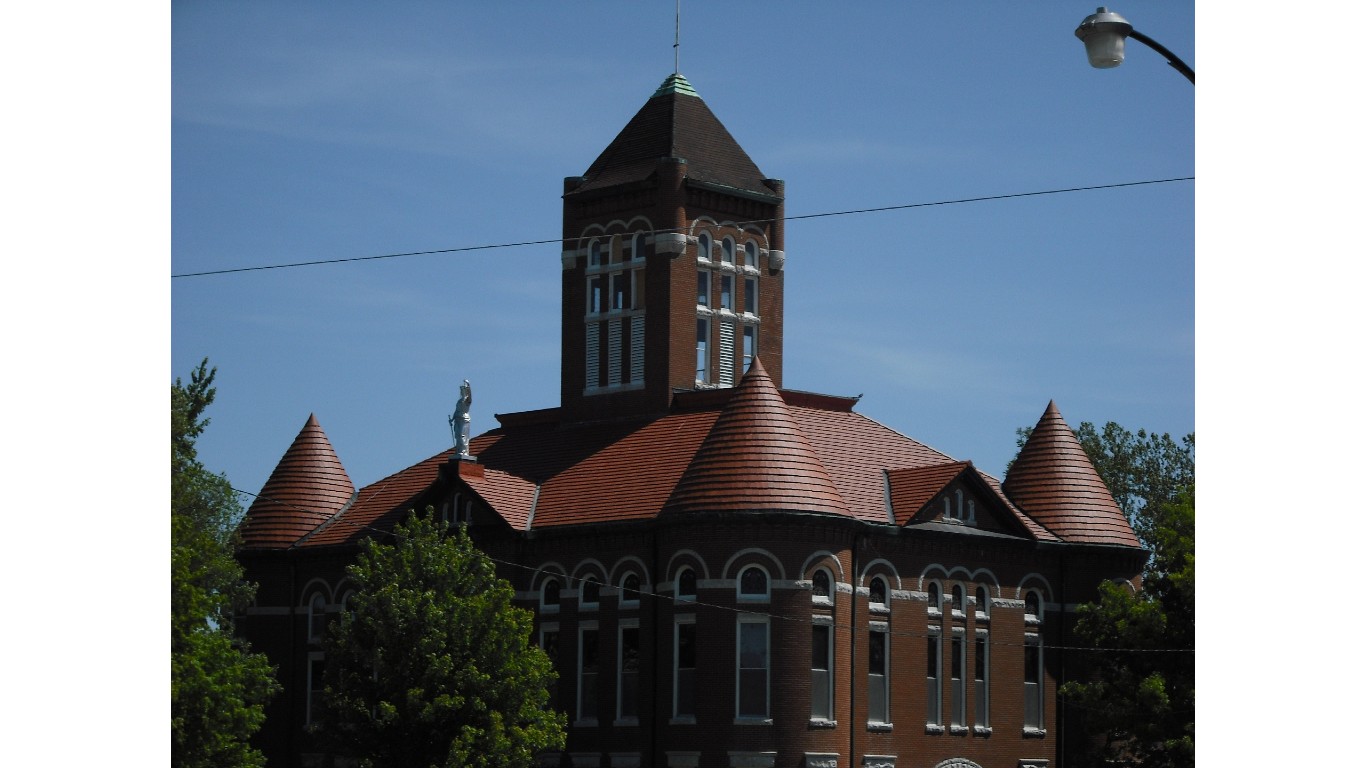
431	664
218	688
1137	695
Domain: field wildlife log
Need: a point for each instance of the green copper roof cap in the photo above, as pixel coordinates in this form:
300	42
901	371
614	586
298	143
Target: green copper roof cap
676	83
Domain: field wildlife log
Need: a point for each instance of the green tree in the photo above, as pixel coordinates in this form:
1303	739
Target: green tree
218	688
1138	695
432	665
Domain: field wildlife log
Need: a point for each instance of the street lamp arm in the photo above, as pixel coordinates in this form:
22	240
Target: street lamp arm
1172	59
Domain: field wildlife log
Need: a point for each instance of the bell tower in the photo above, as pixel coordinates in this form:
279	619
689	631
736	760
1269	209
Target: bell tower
672	264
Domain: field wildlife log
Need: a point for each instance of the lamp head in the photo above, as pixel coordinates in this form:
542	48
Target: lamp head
1103	32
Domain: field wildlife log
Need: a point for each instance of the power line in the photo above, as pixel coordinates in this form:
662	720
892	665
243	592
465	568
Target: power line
880	209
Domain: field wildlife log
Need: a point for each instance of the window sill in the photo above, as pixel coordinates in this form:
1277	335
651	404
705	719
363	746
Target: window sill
879	608
753	721
959	615
1031	620
820	722
981	730
589	722
935	613
933	729
958	730
1034	733
823	602
878	727
626	722
982	618
683	720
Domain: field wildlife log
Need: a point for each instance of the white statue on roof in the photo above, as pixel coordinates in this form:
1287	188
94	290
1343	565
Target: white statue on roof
460	422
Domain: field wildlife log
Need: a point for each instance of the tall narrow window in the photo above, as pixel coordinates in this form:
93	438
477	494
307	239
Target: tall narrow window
597	295
704	246
983	604
1033	608
877	593
1033	683
628	673
625	369
957	682
728	251
630	591
751	296
621	290
958	601
820	586
878	698
703	288
588	673
935	604
589	592
728	292
685	667
687	585
550	596
703	356
595	258
751	254
751	679
981	664
638	245
822	686
317	618
314	699
933	690
751	345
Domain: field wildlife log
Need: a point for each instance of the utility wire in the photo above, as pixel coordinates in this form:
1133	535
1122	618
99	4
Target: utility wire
881	209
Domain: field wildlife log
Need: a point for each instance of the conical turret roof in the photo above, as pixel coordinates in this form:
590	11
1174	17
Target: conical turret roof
308	487
1054	482
756	458
675	122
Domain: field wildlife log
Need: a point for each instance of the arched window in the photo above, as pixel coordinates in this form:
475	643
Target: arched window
753	584
595	256
638	245
983	602
704	246
630	589
550	595
877	592
820	586
751	254
687	585
958	600
588	593
1033	607
317	617
933	590
728	251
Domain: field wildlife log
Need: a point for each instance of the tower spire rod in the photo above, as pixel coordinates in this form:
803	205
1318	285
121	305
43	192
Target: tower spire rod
678	11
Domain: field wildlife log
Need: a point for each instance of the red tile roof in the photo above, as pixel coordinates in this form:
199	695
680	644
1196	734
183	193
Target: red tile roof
1054	482
307	488
756	458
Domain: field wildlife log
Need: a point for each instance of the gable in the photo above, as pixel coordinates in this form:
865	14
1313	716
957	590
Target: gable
952	496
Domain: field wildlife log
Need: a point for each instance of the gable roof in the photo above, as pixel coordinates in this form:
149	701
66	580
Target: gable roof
756	457
1054	482
675	122
307	487
911	489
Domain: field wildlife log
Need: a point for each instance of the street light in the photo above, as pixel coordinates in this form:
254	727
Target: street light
1103	32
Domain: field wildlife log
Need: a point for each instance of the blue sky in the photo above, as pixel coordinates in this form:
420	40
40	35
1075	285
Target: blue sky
306	132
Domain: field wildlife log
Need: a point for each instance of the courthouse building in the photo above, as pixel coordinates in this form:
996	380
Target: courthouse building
725	571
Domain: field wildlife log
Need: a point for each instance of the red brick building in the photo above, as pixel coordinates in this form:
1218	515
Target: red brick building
726	572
